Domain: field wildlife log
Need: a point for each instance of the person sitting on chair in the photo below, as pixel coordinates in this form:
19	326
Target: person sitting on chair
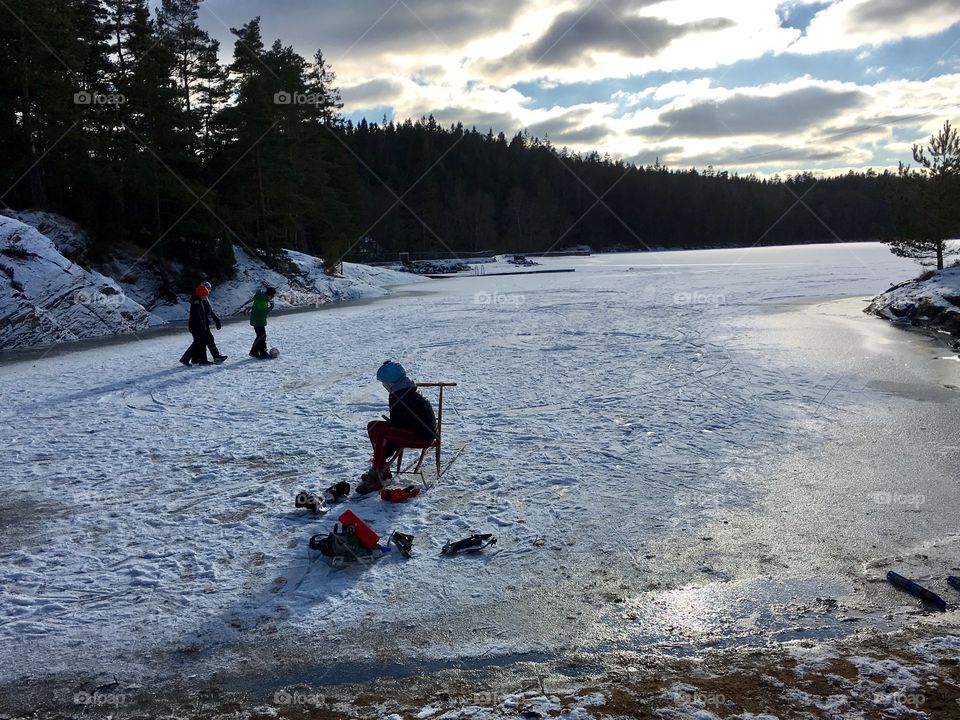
412	424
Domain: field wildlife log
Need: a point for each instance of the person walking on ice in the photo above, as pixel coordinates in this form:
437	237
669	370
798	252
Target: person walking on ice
211	315
199	325
262	305
412	424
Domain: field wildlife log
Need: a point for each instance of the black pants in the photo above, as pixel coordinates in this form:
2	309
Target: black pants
197	352
259	347
212	344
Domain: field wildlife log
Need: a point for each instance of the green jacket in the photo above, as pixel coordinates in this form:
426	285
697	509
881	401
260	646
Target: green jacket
261	308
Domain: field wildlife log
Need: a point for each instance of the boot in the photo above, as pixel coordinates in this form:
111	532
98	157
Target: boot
373	480
337	491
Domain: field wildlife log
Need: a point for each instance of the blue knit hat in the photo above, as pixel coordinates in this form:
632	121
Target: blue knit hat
391	372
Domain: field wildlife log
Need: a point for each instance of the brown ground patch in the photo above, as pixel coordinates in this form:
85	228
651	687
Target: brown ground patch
808	683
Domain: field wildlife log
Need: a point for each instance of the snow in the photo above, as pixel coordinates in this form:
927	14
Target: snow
52	299
811	658
309	287
934	301
69	238
892	673
894	686
527	705
47	298
148	508
938	649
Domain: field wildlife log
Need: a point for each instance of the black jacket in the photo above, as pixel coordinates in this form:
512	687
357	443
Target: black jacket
412	411
201	313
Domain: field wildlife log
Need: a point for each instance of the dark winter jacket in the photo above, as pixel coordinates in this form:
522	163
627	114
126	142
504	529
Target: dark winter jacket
201	313
412	411
211	315
199	320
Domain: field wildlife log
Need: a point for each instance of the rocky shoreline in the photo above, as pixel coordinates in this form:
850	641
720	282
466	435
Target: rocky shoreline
931	301
914	672
52	293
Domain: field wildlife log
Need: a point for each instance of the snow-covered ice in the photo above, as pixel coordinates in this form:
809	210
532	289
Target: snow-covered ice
612	414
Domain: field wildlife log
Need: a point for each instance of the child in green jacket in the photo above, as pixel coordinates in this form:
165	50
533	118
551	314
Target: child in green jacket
262	305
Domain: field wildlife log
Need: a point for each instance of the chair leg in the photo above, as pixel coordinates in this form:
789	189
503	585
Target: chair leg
423	454
438	459
399	460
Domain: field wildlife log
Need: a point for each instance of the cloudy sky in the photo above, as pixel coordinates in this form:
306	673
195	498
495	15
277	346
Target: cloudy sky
760	86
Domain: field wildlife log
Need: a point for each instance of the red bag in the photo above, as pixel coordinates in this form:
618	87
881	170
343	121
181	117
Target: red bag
367	537
399	495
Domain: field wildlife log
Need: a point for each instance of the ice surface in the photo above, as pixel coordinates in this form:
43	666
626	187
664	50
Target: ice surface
149	507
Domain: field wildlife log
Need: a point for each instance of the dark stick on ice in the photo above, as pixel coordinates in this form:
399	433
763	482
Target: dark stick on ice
916	590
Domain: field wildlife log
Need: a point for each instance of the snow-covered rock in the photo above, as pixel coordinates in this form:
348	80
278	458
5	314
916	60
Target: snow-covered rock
53	294
46	298
307	285
932	302
68	237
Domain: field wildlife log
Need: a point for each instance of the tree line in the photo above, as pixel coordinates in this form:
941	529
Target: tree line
128	122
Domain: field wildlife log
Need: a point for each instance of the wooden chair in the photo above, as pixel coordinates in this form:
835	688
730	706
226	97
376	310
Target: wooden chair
435	444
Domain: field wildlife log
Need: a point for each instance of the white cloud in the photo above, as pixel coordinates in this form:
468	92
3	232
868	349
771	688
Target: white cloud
858	129
767	111
617	38
850	24
373	93
461	69
666	91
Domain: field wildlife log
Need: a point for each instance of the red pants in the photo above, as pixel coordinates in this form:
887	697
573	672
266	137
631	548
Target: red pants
387	439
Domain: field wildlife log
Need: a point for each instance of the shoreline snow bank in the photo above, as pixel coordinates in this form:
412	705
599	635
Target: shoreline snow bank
54	294
931	302
50	299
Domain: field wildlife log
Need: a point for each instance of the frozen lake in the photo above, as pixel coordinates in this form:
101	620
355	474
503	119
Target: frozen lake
674	449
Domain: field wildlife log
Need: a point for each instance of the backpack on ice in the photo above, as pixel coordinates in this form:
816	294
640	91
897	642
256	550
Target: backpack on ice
350	542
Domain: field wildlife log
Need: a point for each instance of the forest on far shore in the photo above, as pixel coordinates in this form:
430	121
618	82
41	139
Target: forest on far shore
128	123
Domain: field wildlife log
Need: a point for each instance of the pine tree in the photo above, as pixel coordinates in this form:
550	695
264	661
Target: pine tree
927	201
55	54
196	67
212	96
321	81
292	185
163	202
